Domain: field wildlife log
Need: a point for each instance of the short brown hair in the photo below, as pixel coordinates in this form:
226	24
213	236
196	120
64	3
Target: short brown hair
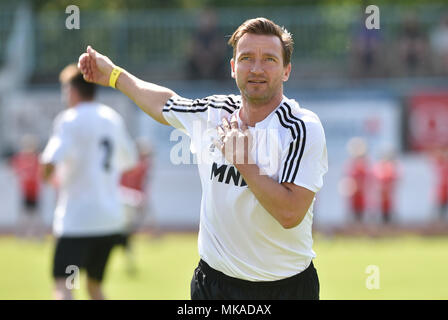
73	76
266	27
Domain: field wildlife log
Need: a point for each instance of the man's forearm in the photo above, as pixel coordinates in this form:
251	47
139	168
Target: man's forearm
148	96
280	201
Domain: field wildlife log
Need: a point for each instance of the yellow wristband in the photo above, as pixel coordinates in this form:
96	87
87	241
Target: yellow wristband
114	76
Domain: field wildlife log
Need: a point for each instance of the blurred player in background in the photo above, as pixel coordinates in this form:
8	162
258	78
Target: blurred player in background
386	174
440	160
135	190
357	178
25	165
88	150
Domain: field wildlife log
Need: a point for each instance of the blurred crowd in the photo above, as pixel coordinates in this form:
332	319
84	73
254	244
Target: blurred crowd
411	51
411	41
414	51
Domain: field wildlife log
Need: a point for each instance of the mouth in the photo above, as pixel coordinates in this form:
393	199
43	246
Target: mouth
257	81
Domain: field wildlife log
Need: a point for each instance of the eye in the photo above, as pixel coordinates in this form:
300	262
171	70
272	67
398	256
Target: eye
244	58
270	59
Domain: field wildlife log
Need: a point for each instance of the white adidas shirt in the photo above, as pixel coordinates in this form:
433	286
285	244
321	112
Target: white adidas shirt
90	148
237	236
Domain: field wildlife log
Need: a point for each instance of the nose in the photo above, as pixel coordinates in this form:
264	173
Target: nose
257	67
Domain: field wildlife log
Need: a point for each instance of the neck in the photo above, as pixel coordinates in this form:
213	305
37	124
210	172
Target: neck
254	111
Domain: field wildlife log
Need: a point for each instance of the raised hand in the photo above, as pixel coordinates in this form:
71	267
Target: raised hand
95	67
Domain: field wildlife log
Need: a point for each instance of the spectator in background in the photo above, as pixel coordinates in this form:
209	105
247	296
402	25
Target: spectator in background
385	172
366	51
207	54
135	191
412	48
25	165
357	177
441	168
439	46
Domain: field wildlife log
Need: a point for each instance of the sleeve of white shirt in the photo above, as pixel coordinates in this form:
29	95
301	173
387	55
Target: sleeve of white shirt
184	113
60	141
304	161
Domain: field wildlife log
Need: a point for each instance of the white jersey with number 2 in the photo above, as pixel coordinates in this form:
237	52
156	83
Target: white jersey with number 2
90	148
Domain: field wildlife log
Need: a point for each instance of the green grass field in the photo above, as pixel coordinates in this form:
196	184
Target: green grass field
409	267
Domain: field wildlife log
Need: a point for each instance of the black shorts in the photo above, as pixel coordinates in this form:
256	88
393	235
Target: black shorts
89	253
210	284
123	240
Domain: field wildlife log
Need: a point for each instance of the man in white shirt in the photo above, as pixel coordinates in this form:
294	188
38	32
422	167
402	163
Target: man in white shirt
261	159
88	150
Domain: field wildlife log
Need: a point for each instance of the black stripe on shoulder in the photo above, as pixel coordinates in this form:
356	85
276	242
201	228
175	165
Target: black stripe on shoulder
231	100
190	110
300	145
285	125
201	105
293	150
167	105
296	148
302	148
227	100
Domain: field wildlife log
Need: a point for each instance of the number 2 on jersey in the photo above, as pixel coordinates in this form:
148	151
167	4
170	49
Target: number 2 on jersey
106	144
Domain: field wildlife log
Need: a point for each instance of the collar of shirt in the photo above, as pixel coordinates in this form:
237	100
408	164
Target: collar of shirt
263	124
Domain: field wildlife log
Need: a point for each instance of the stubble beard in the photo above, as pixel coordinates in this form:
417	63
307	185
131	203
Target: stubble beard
255	99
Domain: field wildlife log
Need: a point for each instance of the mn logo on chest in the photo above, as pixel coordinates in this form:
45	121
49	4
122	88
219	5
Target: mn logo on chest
226	174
